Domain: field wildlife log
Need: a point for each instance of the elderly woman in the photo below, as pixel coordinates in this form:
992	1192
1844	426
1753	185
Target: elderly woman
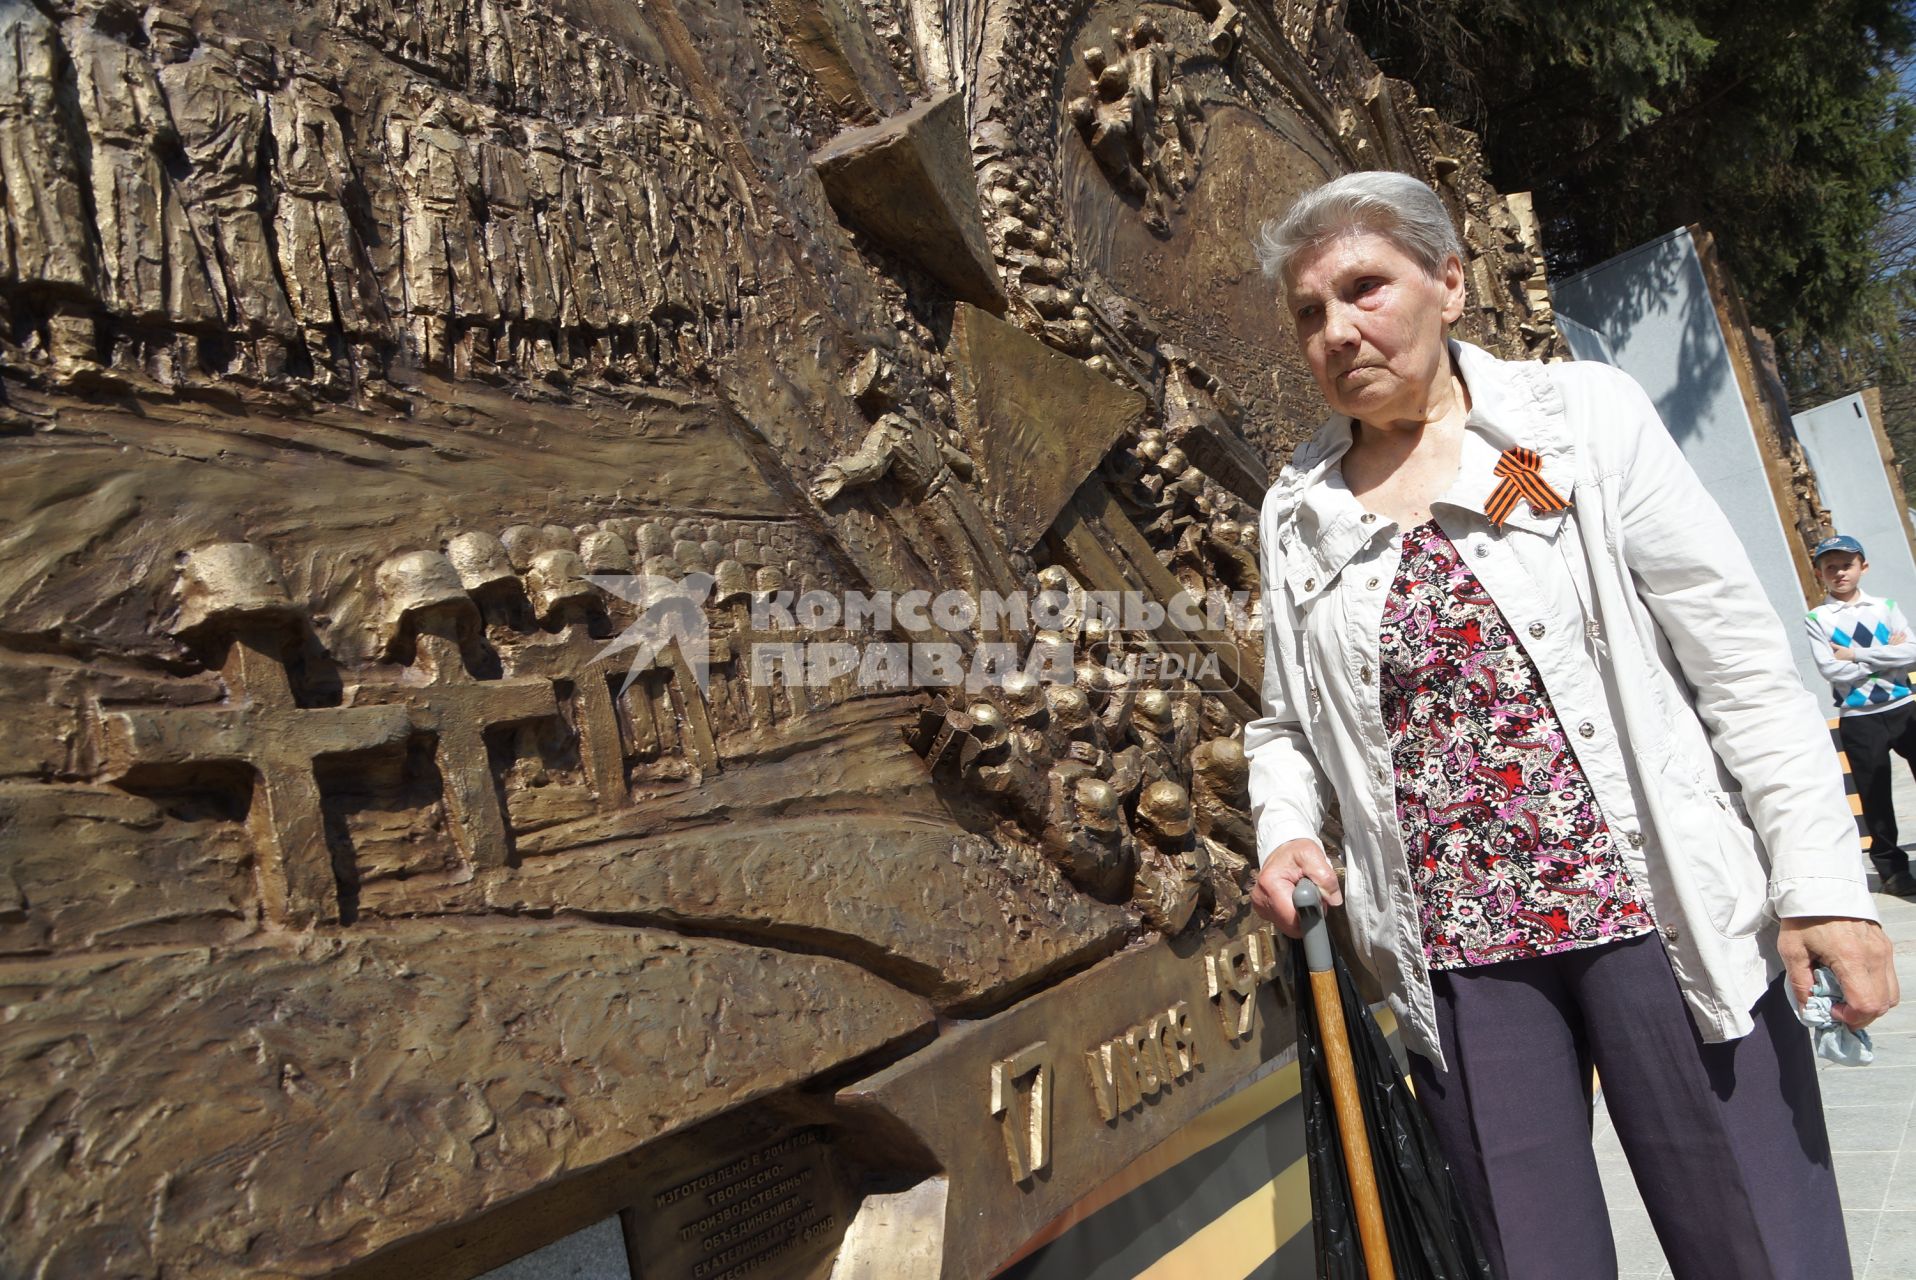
1589	813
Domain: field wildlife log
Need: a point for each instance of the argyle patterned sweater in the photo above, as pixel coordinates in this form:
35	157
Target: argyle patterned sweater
1876	675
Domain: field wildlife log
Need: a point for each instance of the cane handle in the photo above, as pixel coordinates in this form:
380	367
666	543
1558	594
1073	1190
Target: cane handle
1308	901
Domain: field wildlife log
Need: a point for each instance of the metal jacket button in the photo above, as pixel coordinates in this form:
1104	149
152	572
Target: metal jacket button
1636	839
1368	518
1372	584
1587	729
1310	584
1669	933
1536	631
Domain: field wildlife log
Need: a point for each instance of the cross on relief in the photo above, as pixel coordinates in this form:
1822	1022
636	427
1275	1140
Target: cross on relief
446	700
570	658
602	743
695	731
262	727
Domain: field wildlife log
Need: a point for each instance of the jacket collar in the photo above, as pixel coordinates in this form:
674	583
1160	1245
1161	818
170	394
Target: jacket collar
1321	524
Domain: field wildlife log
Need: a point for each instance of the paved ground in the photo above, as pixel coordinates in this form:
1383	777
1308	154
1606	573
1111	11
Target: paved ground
1869	1111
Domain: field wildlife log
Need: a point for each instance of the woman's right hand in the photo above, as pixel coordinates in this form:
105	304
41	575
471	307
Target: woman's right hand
1292	861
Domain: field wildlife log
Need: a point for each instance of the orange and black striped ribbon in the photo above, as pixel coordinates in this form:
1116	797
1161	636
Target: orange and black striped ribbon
1518	467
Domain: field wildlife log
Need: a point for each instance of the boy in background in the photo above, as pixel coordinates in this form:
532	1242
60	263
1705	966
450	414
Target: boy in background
1862	646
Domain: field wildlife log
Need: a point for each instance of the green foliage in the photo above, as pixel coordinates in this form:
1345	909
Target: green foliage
1780	125
1899	423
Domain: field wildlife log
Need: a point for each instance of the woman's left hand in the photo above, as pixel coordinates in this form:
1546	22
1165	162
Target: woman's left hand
1858	952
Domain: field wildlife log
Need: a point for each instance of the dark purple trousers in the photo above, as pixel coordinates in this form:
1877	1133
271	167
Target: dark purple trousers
1726	1141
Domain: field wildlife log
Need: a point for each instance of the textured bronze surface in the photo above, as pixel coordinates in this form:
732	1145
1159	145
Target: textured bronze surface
907	182
367	365
1045	421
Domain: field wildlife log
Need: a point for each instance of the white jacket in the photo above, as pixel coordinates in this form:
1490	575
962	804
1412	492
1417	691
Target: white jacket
1667	666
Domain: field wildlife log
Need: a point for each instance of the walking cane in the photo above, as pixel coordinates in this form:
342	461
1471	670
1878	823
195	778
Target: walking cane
1307	898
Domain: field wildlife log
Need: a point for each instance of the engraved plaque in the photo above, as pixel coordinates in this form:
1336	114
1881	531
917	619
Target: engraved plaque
745	1203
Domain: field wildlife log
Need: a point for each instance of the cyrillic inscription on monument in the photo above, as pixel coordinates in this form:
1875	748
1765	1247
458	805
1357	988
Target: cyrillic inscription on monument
1133	1067
773	1204
1021	1099
1233	971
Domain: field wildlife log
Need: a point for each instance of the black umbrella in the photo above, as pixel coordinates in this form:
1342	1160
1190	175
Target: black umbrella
1382	1203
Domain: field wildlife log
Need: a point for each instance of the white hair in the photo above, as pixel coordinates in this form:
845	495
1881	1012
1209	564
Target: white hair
1394	205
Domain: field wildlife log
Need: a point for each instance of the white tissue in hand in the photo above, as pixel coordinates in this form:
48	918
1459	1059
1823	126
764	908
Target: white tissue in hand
1834	1040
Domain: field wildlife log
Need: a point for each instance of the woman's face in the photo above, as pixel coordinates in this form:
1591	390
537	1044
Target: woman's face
1371	322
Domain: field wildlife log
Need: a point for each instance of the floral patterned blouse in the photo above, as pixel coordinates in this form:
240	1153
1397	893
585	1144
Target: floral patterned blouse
1509	854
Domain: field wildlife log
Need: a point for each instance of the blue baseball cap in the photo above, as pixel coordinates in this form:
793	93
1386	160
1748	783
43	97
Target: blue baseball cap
1841	542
